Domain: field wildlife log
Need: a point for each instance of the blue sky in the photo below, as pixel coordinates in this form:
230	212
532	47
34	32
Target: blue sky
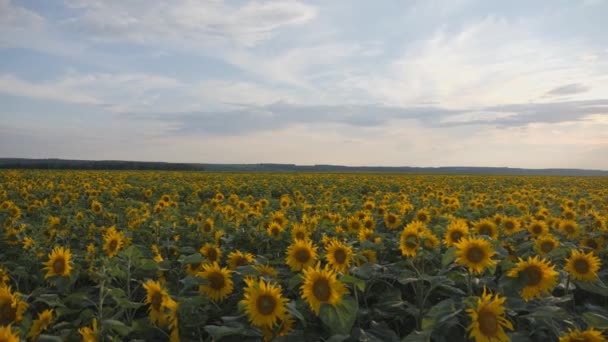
412	83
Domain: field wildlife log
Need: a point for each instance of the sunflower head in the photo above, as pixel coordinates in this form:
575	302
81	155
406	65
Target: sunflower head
456	230
89	334
475	253
589	335
391	221
339	255
220	283
11	306
409	240
39	325
546	243
211	252
301	254
583	266
488	319
569	228
264	303
486	227
321	287
537	228
59	263
113	241
238	258
299	232
537	275
423	216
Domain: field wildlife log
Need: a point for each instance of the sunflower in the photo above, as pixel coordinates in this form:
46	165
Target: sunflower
568	228
391	221
475	253
583	266
486	227
207	226
279	218
537	228
589	335
282	328
369	222
593	243
266	270
299	232
455	231
510	225
113	241
43	322
264	303
353	224
96	207
89	334
538	276
546	243
220	285
155	296
369	255
237	258
423	216
301	254
321	287
211	252
274	230
4	278
366	235
410	240
488	319
7	335
11	306
59	263
429	241
338	256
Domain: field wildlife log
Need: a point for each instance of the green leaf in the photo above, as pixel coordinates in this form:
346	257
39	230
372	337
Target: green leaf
117	326
597	286
189	282
378	332
596	320
192	259
218	332
293	310
448	257
341	317
337	338
359	283
147	265
49	338
417	336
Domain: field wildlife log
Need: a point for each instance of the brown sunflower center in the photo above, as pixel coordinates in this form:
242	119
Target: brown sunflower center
302	255
488	323
591	244
300	235
59	266
266	304
321	289
7	312
411	241
537	229
156	300
509	225
113	245
340	256
485	230
546	246
216	280
240	261
212	254
534	275
368	224
569	229
456	235
421	217
581	266
475	254
392	219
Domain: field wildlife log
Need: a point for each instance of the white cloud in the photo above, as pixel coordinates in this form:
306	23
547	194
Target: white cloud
195	23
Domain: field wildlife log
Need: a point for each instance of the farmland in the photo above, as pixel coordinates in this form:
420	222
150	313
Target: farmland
121	255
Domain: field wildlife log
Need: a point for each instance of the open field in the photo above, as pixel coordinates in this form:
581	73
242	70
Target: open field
122	255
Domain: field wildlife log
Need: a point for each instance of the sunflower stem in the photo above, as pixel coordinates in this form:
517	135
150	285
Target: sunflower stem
469	283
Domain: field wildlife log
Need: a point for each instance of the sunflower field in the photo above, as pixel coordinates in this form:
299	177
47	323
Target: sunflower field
195	256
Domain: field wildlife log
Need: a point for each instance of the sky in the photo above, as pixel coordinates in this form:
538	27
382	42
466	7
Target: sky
391	83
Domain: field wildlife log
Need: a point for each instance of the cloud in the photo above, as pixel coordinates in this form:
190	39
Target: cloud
280	115
196	23
568	89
